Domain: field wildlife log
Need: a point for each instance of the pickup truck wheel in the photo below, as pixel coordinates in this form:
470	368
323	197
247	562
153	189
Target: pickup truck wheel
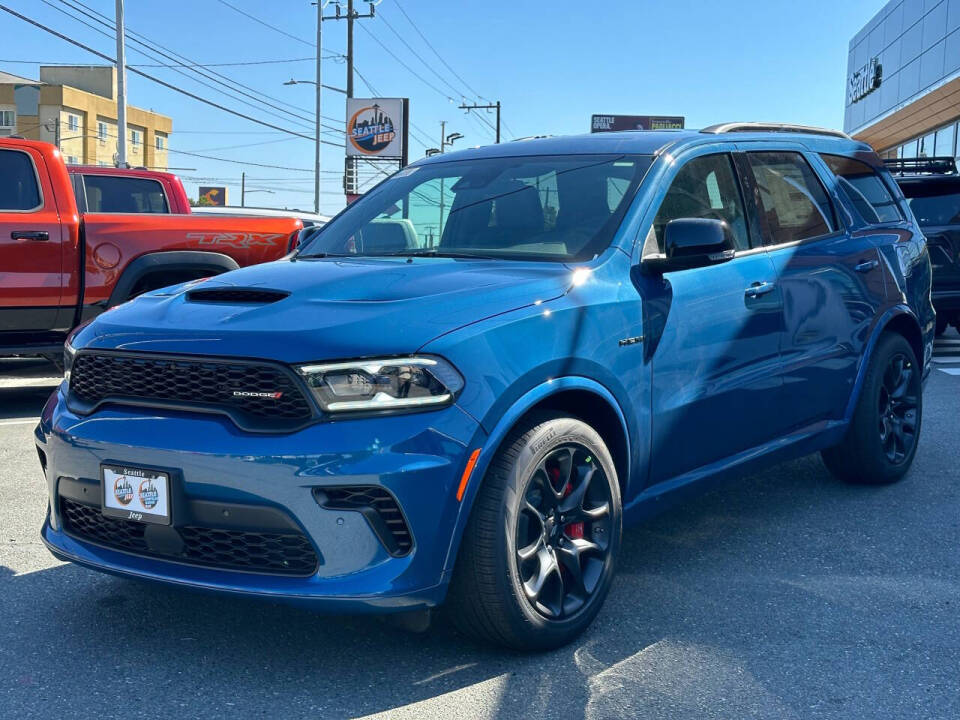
881	441
156	281
539	550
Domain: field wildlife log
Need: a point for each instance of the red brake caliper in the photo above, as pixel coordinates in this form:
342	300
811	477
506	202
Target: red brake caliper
574	530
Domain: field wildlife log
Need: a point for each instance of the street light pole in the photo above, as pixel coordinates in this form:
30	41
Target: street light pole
121	90
316	152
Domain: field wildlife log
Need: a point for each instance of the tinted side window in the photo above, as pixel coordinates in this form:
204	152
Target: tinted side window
864	188
706	187
109	194
18	182
793	202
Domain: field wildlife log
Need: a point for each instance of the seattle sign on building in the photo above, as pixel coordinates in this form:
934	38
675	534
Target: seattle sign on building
865	80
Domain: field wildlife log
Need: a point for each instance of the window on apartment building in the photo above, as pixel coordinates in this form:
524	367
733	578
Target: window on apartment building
73	160
135	137
161	142
73	123
102	131
8	118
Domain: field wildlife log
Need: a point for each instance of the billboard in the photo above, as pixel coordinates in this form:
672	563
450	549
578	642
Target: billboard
214	195
613	123
376	127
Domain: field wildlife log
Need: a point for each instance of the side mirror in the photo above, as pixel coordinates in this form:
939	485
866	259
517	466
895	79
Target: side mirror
692	242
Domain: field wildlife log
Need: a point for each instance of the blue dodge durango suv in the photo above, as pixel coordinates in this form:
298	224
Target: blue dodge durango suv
460	389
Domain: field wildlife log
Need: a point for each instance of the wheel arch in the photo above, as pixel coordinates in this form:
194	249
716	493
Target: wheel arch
170	261
579	397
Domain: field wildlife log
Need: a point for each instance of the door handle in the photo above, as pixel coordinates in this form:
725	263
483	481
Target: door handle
759	288
866	266
29	235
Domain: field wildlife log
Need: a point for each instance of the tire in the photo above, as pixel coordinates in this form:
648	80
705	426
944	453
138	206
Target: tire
943	322
881	442
491	593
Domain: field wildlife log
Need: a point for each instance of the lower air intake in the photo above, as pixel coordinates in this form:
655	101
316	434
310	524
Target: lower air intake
378	506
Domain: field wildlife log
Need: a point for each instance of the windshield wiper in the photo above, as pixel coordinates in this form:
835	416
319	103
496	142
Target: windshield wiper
438	252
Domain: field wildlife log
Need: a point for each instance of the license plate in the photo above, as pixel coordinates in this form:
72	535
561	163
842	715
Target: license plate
138	494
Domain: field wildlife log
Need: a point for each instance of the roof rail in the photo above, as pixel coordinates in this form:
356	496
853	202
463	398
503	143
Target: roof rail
773	127
931	165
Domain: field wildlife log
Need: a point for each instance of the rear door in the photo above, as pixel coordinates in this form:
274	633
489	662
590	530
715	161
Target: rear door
31	246
830	278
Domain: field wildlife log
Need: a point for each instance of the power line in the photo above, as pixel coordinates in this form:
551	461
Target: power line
157	80
205	65
417	55
439	56
266	24
148	53
408	68
170	54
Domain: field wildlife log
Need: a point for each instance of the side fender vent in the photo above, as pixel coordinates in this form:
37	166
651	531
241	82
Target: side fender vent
237	296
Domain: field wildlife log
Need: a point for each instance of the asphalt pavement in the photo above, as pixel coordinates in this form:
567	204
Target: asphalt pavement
785	594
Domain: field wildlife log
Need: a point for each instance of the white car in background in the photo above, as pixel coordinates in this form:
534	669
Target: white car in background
309	219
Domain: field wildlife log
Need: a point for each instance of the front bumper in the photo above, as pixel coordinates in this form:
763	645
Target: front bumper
418	458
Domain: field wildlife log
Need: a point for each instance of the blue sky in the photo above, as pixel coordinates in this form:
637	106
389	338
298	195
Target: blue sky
552	64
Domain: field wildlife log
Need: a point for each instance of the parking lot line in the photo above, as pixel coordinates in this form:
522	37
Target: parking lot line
23	421
950	371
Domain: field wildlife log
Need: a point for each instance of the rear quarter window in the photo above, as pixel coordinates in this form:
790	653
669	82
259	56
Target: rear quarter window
865	189
18	182
113	194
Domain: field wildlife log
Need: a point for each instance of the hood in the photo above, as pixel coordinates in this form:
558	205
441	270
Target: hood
335	308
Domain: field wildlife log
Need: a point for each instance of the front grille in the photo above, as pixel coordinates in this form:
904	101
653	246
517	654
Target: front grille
259	396
380	508
223	549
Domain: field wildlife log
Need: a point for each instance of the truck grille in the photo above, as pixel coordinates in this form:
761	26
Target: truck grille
258	396
271	552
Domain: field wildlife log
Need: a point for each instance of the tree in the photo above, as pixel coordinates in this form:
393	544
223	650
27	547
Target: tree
202	201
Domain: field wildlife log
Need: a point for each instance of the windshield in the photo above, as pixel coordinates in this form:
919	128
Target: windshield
561	208
934	204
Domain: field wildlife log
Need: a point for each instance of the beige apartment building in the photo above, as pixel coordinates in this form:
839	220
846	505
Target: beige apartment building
75	107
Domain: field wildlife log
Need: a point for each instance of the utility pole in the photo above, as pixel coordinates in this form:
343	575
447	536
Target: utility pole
492	106
350	20
316	126
243	189
349	17
121	90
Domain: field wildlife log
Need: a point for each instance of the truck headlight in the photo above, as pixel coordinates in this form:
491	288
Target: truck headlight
383	384
69	353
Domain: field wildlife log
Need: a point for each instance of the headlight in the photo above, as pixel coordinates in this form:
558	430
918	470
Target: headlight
387	384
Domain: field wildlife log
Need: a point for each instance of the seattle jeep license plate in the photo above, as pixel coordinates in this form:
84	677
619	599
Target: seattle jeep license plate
138	494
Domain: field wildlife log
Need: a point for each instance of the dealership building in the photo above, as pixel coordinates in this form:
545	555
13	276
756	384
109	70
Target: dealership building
903	80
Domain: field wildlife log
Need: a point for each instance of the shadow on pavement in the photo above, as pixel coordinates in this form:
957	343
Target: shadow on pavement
782	595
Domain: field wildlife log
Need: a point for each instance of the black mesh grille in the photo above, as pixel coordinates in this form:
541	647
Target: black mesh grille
253	296
257	395
226	549
380	508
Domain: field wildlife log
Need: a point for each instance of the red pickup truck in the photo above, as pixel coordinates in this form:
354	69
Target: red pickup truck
60	266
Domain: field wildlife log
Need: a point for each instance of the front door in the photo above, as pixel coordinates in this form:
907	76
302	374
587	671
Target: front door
716	366
30	245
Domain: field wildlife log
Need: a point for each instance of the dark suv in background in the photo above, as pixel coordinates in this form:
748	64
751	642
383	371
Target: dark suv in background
932	189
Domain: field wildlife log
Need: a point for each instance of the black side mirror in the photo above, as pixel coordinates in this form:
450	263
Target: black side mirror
692	242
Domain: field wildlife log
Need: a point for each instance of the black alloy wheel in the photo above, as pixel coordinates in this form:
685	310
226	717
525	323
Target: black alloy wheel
539	551
563	532
897	409
881	440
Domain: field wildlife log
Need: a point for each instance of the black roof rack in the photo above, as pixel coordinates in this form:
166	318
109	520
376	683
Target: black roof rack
927	165
773	127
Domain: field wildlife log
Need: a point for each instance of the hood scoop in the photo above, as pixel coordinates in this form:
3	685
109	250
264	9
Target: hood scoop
236	296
